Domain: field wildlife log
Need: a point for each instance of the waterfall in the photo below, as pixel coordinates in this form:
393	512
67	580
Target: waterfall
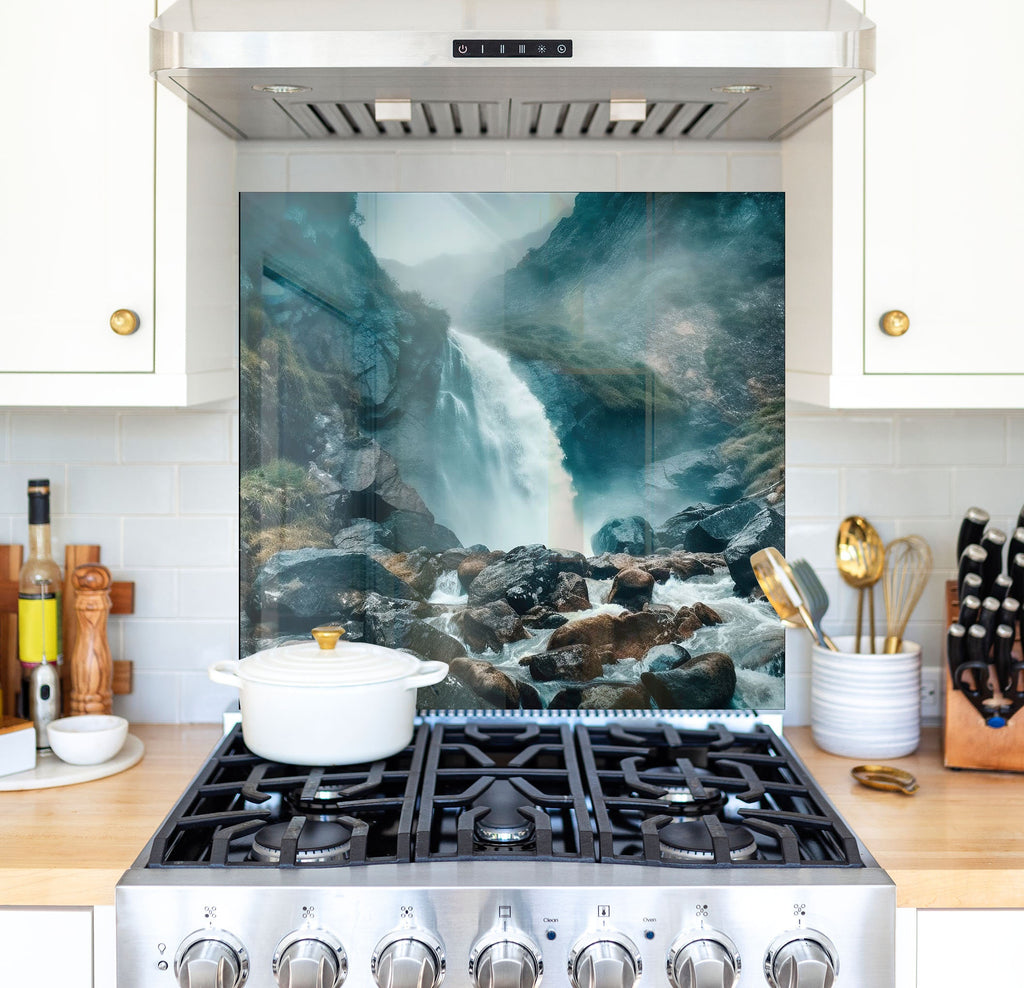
499	477
448	590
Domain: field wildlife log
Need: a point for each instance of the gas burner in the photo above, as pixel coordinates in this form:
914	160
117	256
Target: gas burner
502	824
691	841
327	803
319	843
682	802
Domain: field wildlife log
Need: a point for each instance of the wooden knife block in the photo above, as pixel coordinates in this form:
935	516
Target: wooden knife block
122	602
967	741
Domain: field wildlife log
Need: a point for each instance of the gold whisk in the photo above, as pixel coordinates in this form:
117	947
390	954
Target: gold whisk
908	564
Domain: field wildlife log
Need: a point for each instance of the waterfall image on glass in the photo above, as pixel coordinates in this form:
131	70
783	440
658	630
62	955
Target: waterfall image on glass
537	436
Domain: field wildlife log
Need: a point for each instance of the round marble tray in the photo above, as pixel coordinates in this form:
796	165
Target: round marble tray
50	771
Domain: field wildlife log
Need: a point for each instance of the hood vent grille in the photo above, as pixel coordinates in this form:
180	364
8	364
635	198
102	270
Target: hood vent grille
576	119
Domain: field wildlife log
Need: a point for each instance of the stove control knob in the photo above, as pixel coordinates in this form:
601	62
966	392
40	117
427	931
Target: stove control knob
211	959
801	959
408	959
505	961
707	960
608	960
310	959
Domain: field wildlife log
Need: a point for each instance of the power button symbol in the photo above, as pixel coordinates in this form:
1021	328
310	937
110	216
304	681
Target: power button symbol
463	49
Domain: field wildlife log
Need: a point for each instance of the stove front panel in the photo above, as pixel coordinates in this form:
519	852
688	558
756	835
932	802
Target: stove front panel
552	917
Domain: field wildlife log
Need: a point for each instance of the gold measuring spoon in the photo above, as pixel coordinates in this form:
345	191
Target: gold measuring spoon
860	559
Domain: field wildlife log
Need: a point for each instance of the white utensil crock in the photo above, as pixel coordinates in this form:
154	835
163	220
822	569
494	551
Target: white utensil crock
863	705
303	704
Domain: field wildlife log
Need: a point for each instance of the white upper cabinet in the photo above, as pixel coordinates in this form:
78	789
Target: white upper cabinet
908	198
98	216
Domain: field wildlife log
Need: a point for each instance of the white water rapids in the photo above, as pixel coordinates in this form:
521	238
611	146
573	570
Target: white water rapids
750	633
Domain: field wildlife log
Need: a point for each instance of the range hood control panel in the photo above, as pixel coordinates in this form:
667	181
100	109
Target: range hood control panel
515	48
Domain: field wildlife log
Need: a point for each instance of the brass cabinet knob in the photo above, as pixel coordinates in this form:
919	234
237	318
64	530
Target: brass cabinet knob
895	323
124	322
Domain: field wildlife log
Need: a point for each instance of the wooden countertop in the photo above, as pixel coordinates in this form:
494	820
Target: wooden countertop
958	843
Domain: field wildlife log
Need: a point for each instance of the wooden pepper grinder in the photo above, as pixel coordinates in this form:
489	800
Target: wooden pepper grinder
92	670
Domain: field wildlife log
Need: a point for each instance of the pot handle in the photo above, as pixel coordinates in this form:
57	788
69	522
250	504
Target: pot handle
224	673
428	674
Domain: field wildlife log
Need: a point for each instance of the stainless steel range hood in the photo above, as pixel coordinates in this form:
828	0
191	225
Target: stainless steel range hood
497	69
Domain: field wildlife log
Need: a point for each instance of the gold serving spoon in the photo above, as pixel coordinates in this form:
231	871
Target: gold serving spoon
776	580
860	559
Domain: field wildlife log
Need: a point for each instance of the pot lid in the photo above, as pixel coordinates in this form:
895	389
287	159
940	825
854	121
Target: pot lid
327	662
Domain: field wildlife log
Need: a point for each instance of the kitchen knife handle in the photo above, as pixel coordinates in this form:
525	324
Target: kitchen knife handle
977	662
1004	645
972	560
1016	546
1000	588
1009	612
955	651
969	608
988	618
993	542
971	528
1017	576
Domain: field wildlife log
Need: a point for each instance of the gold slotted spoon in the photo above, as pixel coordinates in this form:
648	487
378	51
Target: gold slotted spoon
860	559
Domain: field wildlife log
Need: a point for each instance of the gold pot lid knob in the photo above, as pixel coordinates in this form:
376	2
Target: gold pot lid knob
327	635
124	322
895	323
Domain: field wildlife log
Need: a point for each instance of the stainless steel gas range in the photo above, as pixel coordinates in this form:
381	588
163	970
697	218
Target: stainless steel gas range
502	852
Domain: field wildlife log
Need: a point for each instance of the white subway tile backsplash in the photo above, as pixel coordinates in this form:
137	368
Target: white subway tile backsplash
470	172
175	437
813	440
1000	490
209	490
156	592
154	699
1015	439
812	493
14	480
343	172
930	440
179	645
210	593
203	701
179	542
80	437
122	490
896	493
653	172
101	530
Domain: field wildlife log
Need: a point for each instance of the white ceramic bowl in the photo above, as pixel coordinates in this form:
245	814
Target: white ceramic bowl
88	739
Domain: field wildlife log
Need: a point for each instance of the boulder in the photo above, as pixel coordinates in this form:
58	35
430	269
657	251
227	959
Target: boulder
567	699
469	567
570	593
714	532
705	682
660	565
632	535
624	636
691	619
766	528
450	694
305	587
615	696
407	530
661	658
492	626
525	576
577	663
400	629
529	698
542	617
485	681
362	535
672	534
420	569
632	589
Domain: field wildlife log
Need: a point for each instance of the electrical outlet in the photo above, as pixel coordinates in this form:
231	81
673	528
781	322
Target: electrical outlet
931	694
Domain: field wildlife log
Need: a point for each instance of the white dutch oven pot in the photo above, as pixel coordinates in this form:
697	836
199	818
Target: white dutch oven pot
316	704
